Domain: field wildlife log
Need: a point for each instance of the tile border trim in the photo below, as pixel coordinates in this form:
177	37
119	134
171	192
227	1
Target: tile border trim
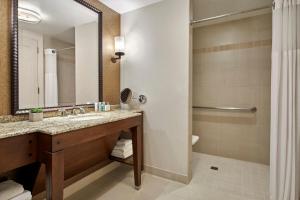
235	46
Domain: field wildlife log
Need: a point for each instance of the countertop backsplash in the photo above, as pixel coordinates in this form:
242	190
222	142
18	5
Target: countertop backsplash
24	117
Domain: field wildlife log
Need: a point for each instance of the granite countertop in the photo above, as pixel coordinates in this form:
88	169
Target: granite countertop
57	125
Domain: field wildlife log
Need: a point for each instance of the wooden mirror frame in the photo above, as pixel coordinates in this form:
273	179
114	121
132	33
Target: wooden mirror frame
15	59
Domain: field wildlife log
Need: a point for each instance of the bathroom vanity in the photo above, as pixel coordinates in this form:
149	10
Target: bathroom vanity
62	150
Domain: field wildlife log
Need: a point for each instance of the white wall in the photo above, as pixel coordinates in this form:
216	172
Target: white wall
86	63
157	64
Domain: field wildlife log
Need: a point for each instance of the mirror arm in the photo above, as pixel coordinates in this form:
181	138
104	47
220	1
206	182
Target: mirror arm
119	55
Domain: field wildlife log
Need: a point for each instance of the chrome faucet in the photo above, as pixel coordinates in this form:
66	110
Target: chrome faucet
81	110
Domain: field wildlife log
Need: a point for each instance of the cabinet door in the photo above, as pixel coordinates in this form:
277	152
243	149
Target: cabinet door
17	151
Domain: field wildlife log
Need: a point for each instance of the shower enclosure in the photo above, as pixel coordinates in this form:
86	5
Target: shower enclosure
232	46
237	99
232	84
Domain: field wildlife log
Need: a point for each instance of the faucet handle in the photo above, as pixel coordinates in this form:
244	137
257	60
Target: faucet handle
74	111
62	112
82	110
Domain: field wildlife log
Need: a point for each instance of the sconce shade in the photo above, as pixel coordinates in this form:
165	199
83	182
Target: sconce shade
119	45
119	48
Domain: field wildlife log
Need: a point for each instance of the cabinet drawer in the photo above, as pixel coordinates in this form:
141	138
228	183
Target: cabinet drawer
17	151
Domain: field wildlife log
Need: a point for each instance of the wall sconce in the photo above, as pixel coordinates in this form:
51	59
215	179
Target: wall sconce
119	48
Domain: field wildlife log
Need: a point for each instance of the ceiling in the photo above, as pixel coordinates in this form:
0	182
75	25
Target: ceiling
123	6
201	8
58	17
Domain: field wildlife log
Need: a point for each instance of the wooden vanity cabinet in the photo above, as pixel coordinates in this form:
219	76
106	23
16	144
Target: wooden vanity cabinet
62	159
58	160
58	152
17	151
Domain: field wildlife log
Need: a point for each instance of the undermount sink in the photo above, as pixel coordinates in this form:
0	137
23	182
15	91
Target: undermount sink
85	117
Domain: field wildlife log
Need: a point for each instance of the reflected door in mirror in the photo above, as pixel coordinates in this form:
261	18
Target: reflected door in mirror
30	70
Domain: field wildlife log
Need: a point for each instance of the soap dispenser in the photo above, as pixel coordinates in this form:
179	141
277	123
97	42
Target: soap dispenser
99	106
107	107
103	106
96	107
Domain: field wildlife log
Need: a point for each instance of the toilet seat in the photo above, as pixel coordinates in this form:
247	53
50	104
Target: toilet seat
195	139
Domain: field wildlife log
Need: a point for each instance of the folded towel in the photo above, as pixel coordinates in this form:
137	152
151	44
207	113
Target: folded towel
123	146
124	142
26	195
126	148
116	151
9	189
122	155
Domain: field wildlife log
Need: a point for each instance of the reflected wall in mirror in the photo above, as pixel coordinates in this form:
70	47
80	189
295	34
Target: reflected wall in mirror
59	51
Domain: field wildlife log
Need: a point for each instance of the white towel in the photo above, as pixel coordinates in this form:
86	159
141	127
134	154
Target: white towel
9	189
123	148
124	142
118	151
26	195
122	155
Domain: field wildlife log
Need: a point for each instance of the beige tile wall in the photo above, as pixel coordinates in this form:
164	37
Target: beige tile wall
232	67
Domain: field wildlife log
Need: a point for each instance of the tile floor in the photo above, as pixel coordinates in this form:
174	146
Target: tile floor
235	180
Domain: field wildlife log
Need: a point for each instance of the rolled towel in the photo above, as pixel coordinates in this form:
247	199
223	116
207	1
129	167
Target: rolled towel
10	189
26	195
124	142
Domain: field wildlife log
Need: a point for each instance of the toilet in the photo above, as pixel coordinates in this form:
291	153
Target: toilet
195	139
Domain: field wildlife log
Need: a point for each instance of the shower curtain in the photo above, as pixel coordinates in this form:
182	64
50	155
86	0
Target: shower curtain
285	101
51	90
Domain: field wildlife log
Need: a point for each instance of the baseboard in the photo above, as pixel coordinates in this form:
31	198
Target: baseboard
166	174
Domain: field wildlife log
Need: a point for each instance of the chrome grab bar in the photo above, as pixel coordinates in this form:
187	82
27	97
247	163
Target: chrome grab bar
232	109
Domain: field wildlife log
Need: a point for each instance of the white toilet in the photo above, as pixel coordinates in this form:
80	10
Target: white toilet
195	139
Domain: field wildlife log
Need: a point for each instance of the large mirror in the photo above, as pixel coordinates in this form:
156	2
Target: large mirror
56	54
